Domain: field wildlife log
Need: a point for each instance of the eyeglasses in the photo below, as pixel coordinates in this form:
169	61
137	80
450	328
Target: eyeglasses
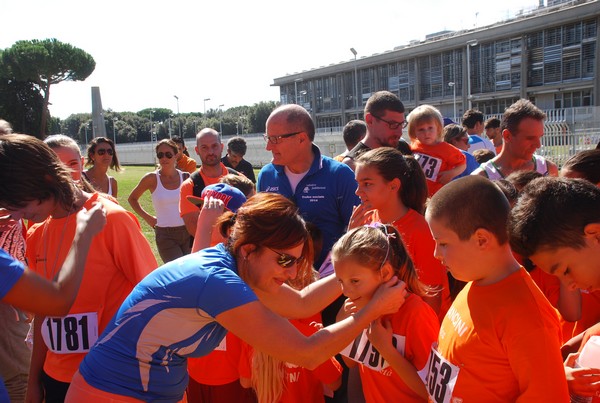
284	260
102	151
167	154
277	139
393	125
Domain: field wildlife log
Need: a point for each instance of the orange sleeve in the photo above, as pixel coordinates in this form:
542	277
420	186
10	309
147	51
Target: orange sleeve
454	157
190	165
185	206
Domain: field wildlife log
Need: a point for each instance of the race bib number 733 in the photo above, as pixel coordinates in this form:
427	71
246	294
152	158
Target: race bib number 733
69	334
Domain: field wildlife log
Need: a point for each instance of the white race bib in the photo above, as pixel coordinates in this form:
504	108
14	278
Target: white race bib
69	334
431	165
222	345
362	351
441	377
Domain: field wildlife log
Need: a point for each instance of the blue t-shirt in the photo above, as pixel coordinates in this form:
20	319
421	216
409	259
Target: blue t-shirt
325	196
11	272
169	316
472	164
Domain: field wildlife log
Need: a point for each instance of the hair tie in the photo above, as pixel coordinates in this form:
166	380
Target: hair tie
232	218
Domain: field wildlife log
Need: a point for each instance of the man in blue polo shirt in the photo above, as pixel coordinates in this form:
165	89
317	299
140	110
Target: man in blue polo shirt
322	188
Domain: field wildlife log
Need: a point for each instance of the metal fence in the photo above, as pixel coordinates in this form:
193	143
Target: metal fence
566	132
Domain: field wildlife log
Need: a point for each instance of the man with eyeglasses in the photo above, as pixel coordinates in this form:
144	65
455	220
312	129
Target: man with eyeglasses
384	116
322	188
209	148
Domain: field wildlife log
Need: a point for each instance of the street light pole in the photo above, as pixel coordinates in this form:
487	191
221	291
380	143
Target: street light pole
205	99
221	120
470	43
453	85
355	81
178	119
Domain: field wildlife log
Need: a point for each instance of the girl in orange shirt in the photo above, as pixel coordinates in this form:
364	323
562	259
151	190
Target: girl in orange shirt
394	348
393	190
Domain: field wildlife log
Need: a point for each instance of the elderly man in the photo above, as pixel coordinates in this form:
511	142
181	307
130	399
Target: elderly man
384	116
322	188
209	148
522	128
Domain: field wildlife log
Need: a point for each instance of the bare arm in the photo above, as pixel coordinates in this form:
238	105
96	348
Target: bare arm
446	176
148	182
291	303
35	391
211	210
380	335
35	294
552	168
268	332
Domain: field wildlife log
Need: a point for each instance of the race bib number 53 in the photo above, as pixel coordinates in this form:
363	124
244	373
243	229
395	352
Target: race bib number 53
441	378
69	334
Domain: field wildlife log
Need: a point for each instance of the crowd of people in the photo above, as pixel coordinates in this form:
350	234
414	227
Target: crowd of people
453	267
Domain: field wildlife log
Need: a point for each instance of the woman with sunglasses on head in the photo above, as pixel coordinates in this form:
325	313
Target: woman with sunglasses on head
172	239
185	308
101	155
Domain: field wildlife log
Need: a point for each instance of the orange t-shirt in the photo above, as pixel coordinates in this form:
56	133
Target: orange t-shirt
187	189
119	257
301	385
435	159
220	366
415	327
499	343
186	164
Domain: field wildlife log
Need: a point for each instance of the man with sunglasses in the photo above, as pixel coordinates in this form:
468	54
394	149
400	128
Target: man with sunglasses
384	116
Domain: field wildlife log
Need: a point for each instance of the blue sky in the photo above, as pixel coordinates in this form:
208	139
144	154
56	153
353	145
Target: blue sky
228	51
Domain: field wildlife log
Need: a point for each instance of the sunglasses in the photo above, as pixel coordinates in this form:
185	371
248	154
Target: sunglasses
284	260
167	154
102	151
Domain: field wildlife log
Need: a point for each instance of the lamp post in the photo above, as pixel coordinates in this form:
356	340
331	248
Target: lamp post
178	120
115	130
296	81
452	84
205	99
221	120
470	43
355	81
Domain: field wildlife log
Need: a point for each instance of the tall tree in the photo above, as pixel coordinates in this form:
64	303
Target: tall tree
46	62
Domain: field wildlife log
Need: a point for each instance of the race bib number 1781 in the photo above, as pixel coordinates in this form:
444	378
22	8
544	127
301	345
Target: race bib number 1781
69	334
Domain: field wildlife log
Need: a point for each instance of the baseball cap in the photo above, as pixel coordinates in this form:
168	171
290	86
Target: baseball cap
232	198
448	121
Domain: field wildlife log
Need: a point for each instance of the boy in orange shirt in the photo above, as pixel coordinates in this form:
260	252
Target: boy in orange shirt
500	340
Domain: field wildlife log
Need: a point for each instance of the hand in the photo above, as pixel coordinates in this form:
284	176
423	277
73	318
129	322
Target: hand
360	216
151	221
212	208
380	334
582	381
388	298
350	307
91	221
